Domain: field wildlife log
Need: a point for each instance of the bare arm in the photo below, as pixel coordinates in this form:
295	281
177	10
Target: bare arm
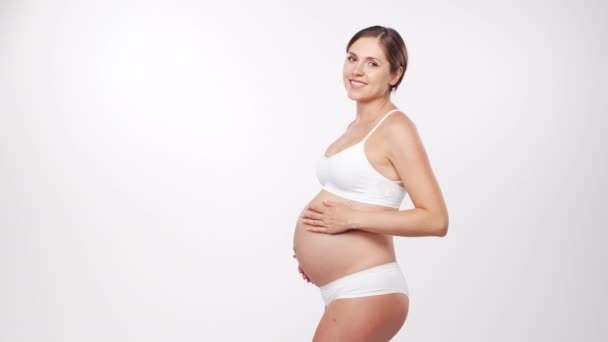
407	154
411	222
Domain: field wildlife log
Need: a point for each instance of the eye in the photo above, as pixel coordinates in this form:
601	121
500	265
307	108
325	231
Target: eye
373	64
351	58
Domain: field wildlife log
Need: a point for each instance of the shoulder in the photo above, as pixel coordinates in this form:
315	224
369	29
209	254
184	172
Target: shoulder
401	133
399	125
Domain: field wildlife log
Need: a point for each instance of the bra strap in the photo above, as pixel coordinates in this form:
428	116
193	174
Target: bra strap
378	124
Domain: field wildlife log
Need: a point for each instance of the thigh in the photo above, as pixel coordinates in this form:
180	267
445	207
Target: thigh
373	318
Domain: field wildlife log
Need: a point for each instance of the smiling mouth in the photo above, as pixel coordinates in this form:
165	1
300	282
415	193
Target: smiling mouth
357	84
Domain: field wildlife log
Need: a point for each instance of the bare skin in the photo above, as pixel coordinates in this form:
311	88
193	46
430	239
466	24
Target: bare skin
327	257
364	319
335	236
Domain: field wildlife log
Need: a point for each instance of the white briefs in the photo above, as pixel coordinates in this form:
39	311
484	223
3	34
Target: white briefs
377	280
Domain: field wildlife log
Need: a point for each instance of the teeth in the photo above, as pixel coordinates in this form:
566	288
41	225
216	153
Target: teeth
357	82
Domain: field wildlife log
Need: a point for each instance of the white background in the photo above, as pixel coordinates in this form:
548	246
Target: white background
154	157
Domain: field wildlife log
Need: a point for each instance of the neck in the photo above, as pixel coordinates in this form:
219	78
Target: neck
370	110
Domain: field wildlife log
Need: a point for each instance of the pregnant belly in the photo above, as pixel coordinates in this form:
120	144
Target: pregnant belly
325	257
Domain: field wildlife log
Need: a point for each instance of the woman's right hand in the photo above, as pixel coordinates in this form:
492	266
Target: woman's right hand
304	276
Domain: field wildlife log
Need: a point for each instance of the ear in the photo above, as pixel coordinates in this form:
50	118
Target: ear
396	77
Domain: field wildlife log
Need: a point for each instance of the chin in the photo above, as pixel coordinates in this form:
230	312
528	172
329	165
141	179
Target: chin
355	96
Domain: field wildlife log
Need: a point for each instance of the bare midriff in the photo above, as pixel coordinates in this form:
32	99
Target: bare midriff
327	257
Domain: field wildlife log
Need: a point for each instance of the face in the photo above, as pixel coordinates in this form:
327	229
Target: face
366	72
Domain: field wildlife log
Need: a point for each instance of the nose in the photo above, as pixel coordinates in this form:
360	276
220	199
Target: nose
358	69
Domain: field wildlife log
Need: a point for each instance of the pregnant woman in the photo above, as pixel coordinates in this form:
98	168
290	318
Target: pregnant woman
343	239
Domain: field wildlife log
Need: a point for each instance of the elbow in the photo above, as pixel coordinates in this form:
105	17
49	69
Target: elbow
441	228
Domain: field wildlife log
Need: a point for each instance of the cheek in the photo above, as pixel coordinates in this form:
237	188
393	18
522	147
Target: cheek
346	69
373	78
379	78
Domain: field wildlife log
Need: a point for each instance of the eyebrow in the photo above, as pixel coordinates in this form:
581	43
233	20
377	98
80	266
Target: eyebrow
368	57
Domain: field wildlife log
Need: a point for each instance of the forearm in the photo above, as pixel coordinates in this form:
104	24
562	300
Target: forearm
411	222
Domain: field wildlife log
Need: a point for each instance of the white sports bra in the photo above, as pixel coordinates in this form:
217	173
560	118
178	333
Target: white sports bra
349	174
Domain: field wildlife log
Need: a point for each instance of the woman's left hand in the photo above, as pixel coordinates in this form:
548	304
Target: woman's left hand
330	218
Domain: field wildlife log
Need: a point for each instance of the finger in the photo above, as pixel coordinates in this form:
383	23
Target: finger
309	214
318	230
328	203
314	208
316	223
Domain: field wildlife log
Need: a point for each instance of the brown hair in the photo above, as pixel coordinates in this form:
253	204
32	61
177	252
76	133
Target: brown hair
392	45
